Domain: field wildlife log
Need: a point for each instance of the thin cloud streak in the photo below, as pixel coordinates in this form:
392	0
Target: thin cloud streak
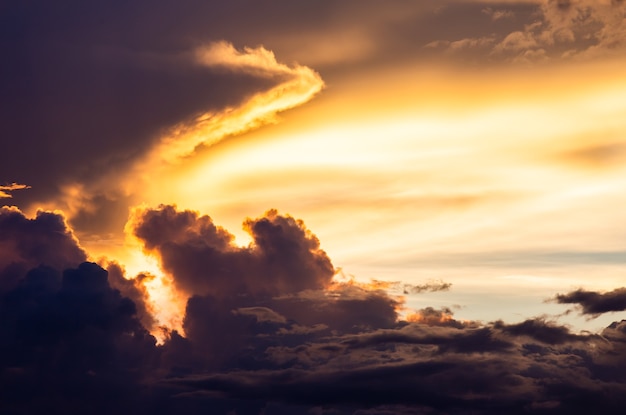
5	190
299	85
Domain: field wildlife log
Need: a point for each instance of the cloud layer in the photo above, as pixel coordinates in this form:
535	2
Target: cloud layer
268	330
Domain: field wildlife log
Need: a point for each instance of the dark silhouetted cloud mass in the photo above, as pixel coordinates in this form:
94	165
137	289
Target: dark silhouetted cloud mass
267	331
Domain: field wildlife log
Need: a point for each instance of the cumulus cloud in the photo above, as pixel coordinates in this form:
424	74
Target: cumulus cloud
283	258
68	339
26	243
269	330
68	342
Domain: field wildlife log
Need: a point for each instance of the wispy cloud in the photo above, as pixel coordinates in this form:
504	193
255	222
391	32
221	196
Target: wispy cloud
5	190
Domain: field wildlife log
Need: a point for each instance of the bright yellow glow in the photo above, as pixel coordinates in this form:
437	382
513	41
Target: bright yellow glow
149	176
487	166
166	303
428	174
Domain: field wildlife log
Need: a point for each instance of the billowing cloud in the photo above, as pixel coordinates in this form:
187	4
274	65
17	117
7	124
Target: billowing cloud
68	338
284	257
26	243
418	369
268	330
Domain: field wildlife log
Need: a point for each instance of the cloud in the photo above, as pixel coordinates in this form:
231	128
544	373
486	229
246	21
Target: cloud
68	339
5	191
26	243
69	342
541	330
431	286
283	258
269	330
135	289
278	87
102	99
593	302
86	105
498	14
341	281
547	30
429	370
293	86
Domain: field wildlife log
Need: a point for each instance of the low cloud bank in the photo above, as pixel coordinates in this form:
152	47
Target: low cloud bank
268	330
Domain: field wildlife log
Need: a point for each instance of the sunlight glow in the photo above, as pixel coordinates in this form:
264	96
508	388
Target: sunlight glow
166	303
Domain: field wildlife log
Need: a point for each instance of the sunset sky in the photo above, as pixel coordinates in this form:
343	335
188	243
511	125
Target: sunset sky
328	207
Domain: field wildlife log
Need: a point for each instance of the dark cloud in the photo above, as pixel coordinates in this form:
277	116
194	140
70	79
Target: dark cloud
135	290
276	284
432	286
69	343
540	330
267	331
68	340
88	89
421	369
593	302
27	243
283	258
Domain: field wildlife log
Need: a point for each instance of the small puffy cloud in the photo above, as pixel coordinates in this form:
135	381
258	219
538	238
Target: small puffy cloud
433	317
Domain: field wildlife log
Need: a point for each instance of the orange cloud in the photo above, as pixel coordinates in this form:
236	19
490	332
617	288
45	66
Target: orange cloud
298	86
5	191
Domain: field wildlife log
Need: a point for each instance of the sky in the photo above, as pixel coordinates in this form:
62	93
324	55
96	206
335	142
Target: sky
329	207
